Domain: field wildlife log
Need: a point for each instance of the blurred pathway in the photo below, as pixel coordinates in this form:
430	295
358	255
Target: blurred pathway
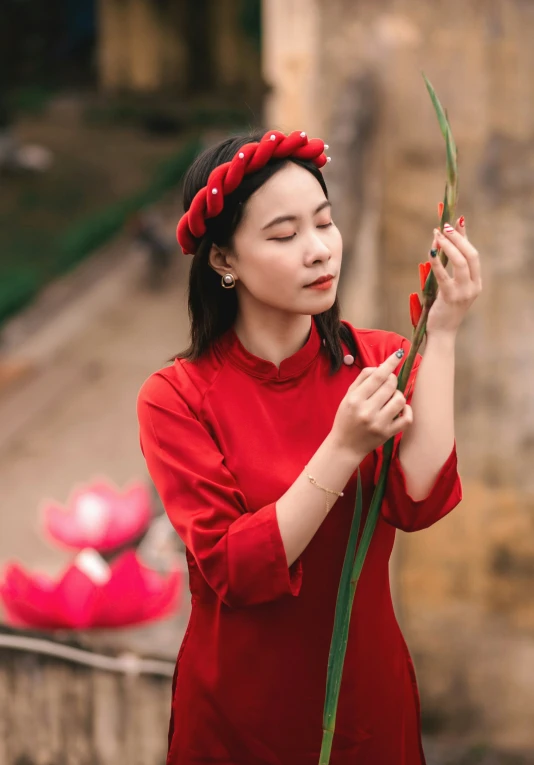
75	418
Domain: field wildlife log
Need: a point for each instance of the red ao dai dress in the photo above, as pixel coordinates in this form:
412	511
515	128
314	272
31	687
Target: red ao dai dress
224	437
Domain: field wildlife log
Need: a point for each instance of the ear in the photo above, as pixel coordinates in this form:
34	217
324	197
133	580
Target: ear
221	260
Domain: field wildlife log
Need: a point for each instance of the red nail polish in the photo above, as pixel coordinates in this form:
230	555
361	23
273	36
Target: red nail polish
448	228
462	221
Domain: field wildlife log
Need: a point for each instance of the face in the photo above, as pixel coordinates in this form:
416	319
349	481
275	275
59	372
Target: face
285	241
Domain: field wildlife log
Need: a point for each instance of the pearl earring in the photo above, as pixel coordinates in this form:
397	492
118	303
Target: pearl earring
228	281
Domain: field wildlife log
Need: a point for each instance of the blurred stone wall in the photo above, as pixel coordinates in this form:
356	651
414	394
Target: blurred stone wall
185	46
136	50
57	711
465	588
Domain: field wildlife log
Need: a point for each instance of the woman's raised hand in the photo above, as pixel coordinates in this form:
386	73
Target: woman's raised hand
457	291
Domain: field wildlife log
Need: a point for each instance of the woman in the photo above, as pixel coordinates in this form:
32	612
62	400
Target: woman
253	438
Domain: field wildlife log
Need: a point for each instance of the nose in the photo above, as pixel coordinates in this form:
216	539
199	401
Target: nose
317	251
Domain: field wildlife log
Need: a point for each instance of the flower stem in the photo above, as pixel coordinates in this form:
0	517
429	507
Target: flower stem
357	551
326	747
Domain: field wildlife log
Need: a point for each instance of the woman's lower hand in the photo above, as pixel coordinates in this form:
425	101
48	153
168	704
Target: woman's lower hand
373	409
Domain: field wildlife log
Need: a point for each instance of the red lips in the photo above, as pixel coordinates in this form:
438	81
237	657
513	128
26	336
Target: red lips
321	280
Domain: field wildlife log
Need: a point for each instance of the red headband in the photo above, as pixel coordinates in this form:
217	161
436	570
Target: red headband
209	201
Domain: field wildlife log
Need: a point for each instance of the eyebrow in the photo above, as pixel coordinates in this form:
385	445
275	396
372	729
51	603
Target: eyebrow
286	218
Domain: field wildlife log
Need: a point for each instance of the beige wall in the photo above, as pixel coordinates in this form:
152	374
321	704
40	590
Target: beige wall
136	51
142	47
291	51
465	587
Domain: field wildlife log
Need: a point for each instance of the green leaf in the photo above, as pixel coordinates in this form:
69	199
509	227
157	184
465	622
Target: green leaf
442	116
372	515
452	168
450	145
338	645
440	111
445	213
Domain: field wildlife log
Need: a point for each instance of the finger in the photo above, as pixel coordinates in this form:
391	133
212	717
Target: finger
394	409
403	421
440	272
368	372
460	265
381	373
466	248
381	397
364	374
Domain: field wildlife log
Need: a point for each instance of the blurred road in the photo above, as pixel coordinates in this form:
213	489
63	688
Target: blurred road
74	419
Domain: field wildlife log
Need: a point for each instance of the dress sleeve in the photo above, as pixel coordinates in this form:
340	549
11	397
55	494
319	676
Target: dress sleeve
398	507
239	553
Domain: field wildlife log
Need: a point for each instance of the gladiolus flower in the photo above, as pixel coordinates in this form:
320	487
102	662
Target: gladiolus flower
90	594
416	309
440	210
424	270
359	541
100	516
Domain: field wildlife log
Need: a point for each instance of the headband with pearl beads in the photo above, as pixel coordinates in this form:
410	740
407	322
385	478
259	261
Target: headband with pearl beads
209	201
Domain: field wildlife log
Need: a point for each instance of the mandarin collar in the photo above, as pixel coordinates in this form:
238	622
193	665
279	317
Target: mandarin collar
293	366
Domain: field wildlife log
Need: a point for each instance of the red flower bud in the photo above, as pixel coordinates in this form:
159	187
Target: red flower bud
440	210
424	270
416	308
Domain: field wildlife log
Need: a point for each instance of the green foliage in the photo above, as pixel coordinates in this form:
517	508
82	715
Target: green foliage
137	114
32	99
250	18
16	290
45	256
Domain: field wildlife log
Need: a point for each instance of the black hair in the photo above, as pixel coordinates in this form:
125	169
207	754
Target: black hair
212	309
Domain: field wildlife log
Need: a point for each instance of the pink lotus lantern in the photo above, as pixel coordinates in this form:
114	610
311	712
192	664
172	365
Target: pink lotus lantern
90	594
100	516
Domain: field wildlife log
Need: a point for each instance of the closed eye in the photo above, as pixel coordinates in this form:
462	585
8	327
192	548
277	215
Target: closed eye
289	238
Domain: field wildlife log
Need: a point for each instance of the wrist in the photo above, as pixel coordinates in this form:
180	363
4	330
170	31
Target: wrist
342	453
445	340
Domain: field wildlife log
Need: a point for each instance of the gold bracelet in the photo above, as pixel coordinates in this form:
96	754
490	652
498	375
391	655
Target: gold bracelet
328	491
